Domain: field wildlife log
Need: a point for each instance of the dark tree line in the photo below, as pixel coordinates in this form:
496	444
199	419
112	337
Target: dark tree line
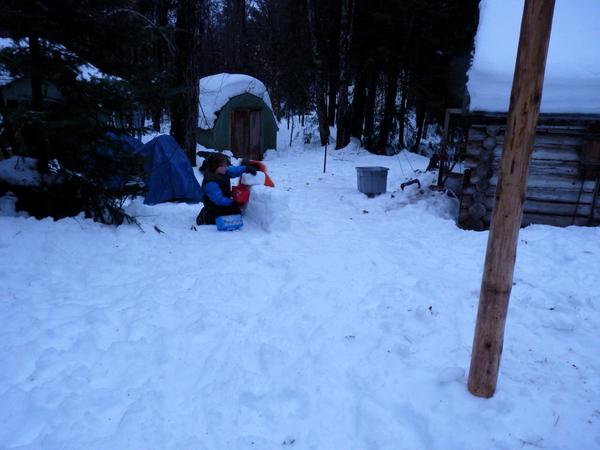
361	65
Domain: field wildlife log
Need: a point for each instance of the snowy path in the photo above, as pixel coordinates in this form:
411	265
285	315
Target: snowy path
351	329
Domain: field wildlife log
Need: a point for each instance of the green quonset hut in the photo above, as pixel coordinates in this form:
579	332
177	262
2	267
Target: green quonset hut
235	113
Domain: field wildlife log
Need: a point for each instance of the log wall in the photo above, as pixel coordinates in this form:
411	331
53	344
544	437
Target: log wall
559	192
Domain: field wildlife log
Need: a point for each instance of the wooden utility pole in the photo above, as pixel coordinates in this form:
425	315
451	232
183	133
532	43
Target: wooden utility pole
523	112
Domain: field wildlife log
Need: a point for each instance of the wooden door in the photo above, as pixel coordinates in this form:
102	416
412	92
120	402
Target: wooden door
240	133
254	139
245	134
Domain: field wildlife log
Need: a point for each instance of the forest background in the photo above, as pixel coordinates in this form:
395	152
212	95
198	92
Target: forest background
378	70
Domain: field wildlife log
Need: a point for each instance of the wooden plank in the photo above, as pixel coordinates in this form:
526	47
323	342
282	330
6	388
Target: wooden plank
550	131
557	221
552	208
482	118
558	195
548	141
563	154
551	182
570	153
547	219
554	170
568	197
558	169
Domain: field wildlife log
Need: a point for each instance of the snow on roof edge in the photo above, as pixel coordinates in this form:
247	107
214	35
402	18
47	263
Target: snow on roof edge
572	79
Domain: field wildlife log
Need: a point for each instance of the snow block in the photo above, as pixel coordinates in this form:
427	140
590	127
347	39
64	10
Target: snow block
269	208
253	180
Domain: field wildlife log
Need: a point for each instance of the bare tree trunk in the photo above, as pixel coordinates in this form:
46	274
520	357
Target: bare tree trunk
156	116
10	132
35	135
230	36
322	117
184	108
318	56
236	37
402	113
36	76
358	106
161	17
420	124
332	100
368	133
343	113
242	35
389	108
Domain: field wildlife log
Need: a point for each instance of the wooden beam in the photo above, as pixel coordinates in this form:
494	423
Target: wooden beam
525	99
444	146
488	118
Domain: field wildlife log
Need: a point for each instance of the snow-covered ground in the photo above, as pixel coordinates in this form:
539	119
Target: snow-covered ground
347	327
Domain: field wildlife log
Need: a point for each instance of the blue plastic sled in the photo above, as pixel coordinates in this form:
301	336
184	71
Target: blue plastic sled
229	223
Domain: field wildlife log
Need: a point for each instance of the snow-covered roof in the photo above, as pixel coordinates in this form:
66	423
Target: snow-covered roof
572	79
216	90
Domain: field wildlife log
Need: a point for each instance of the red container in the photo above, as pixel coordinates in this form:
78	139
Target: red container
240	194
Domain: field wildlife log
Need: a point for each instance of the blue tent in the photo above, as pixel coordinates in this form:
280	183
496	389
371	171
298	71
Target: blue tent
169	174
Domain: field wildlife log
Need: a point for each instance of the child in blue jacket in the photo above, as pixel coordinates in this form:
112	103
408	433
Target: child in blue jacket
216	187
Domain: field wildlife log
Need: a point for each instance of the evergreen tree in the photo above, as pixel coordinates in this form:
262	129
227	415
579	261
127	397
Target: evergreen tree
84	169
